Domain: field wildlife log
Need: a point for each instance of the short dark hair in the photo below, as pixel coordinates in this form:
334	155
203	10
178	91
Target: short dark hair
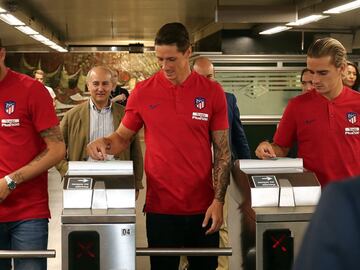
173	34
328	47
302	73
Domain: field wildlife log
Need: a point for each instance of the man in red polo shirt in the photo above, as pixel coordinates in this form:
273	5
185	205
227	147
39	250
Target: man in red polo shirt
30	143
183	114
325	122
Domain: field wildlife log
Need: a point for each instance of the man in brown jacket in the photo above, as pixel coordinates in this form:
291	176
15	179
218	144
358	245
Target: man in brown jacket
96	118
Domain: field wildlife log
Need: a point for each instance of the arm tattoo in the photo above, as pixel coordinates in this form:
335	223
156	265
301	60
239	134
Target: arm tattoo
18	177
39	156
53	134
222	159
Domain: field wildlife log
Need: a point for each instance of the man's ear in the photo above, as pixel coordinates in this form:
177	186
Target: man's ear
2	55
188	52
343	69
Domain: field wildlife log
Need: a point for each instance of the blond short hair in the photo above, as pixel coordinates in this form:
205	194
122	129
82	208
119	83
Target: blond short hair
328	47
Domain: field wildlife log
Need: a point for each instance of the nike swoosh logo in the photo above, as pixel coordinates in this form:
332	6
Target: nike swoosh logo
309	121
153	106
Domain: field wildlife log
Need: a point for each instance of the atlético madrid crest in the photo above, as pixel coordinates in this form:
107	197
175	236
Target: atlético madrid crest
200	103
352	117
9	107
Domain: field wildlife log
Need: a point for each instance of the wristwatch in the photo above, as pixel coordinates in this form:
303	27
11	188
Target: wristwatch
10	183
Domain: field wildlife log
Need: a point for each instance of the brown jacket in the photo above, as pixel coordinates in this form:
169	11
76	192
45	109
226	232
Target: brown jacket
75	127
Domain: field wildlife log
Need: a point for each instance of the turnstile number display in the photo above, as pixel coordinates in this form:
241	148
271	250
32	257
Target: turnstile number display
84	250
278	249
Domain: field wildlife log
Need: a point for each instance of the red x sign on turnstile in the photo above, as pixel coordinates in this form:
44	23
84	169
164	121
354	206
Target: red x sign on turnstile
277	242
85	250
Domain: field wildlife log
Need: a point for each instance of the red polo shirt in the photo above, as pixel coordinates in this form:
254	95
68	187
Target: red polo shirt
327	133
25	110
177	120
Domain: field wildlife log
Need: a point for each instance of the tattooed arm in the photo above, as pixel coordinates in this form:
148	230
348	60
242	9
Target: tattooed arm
222	159
54	152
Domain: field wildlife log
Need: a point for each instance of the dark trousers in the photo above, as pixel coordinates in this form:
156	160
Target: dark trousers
180	231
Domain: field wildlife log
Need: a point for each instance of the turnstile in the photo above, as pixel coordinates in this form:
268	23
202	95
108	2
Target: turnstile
278	198
98	219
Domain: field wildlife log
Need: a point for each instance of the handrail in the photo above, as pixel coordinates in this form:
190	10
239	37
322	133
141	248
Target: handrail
6	254
260	119
139	252
183	251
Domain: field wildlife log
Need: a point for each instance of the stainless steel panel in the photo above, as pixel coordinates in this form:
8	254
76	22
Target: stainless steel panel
98	216
283	214
117	249
297	229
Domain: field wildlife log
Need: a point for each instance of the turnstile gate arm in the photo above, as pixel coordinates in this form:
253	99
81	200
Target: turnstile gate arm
183	251
7	254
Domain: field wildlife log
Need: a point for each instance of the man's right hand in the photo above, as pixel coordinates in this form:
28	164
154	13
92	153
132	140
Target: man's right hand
97	149
265	150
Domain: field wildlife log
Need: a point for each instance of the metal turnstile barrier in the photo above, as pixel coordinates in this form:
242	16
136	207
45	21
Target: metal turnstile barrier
26	254
183	251
98	219
278	200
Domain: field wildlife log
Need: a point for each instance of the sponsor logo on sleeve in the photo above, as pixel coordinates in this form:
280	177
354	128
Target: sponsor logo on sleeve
200	103
9	107
352	117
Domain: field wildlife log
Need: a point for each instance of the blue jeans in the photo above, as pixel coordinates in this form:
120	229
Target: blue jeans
24	235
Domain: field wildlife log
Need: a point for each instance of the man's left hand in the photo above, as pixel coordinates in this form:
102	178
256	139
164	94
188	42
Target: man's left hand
215	213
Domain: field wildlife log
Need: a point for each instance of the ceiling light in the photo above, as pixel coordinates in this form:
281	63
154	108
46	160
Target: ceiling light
275	30
58	48
48	42
306	20
2	10
343	8
26	30
40	38
10	19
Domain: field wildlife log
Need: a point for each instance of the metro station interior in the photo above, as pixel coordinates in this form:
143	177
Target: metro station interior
66	39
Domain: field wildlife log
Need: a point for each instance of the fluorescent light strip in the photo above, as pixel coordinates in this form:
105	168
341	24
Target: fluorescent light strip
306	20
343	8
19	25
26	30
275	30
40	38
10	19
48	42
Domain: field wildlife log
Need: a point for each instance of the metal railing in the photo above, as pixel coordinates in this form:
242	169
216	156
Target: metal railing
260	119
183	251
7	254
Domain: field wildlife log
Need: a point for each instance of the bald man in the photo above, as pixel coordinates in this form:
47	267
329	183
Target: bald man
97	118
238	142
240	150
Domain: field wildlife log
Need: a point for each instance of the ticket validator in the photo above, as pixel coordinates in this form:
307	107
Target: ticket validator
98	218
278	199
